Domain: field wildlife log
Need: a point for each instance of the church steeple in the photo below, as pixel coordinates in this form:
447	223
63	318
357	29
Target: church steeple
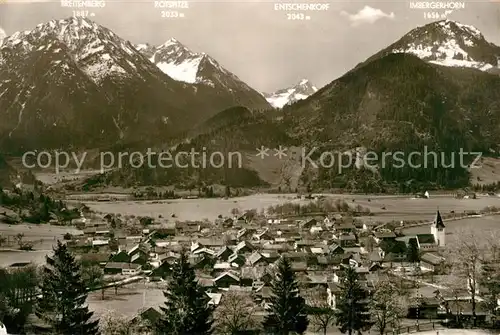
437	229
438	222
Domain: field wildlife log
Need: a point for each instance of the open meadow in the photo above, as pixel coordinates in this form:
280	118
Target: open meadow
483	224
43	236
396	207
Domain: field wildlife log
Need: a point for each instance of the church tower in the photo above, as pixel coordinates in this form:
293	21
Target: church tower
437	229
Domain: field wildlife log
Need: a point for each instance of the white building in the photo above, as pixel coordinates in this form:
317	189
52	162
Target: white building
438	230
3	330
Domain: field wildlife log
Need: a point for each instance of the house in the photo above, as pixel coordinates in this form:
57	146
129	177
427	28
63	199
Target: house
368	226
224	266
163	270
227	279
303	245
332	291
201	261
256	259
100	242
264	235
344	228
319	250
270	256
240	220
426	242
307	223
138	255
195	246
227	223
335	249
299	266
120	257
204	251
245	233
433	262
241	289
224	253
189	228
276	246
139	258
379	236
315	280
393	251
122	268
163	230
250	275
244	247
170	257
237	259
211	242
274	220
347	240
215	298
206	282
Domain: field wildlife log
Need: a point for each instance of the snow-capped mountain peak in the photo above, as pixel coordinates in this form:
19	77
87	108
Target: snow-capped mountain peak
449	43
98	51
2	35
182	64
299	91
200	71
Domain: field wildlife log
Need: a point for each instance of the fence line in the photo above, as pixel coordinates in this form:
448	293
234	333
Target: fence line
420	327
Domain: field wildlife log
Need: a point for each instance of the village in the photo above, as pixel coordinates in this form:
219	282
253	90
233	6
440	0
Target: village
238	253
126	256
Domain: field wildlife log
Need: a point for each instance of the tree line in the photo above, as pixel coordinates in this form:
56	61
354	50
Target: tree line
35	206
61	289
63	284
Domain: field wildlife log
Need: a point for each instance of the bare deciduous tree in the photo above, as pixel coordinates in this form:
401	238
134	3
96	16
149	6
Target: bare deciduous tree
387	306
465	255
115	324
322	315
455	287
235	313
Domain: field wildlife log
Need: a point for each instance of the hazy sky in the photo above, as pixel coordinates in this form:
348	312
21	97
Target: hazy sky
259	44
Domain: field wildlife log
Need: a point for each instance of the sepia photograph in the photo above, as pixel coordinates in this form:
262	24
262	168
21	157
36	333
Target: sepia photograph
257	167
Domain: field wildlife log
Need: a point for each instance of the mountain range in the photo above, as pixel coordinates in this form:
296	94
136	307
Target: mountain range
447	43
288	96
436	87
74	83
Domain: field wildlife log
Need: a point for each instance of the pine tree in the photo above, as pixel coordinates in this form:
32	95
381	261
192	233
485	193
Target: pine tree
62	304
352	305
287	311
412	253
186	310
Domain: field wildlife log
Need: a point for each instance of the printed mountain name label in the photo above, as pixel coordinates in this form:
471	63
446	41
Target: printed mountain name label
83	4
436	5
171	4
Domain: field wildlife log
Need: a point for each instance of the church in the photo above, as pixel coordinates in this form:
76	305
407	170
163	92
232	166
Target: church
430	242
438	230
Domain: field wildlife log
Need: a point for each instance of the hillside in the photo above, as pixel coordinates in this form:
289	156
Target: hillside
232	135
402	103
6	172
74	83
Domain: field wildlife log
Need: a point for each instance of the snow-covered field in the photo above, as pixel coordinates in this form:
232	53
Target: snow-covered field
396	208
456	332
